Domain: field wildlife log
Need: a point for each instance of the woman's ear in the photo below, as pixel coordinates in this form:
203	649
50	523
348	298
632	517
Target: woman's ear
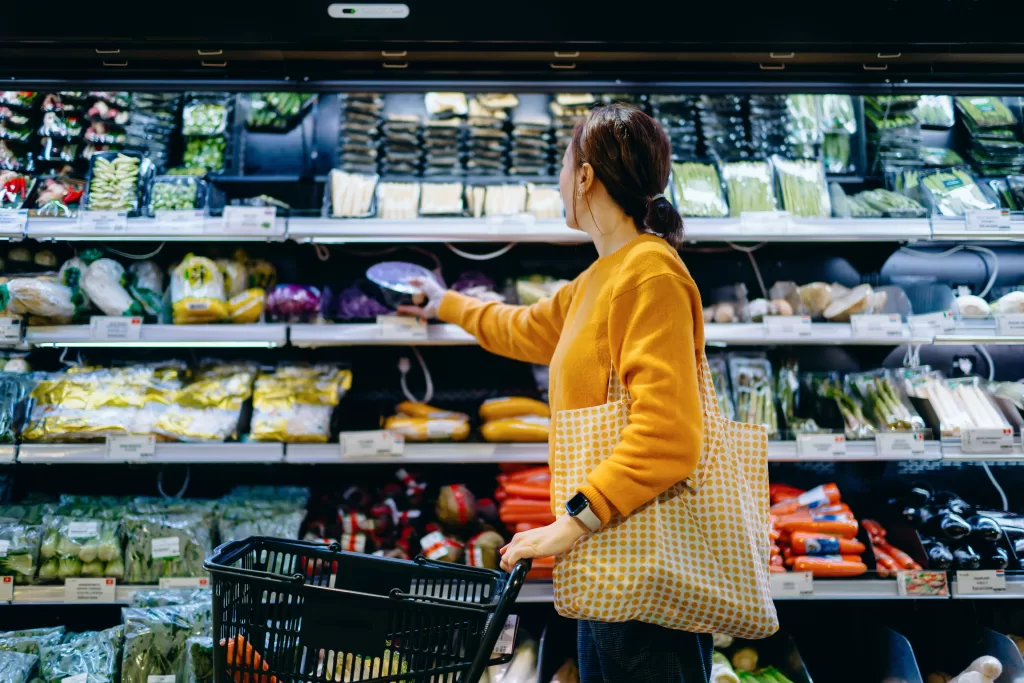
586	178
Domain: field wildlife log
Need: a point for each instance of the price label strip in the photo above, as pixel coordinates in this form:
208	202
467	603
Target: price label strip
10	329
185	583
775	222
997	441
877	326
371	443
13	220
250	219
103	221
818	446
987	220
401	327
792	585
900	445
922	583
787	327
6	588
115	328
190	222
89	590
982	582
131	447
931	324
1010	325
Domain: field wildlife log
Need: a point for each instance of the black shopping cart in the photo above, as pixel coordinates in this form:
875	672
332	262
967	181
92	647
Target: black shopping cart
300	612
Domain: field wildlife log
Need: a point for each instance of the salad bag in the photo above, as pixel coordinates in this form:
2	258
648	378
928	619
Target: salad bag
696	557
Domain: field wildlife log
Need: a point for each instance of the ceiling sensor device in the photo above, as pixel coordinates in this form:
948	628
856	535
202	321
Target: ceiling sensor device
365	11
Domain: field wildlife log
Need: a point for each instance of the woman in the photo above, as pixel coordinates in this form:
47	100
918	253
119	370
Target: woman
635	310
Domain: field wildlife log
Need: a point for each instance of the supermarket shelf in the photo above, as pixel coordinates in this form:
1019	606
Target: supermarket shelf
166	453
151	229
955	229
822	334
511	229
1014	589
197	336
8	454
840	589
808	229
369	334
455	454
50	595
951	450
856	451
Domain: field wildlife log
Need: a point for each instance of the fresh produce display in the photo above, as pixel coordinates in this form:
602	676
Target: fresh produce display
115	182
802	187
883	402
295	403
698	189
750	186
155	639
960	404
94	653
954	192
276	112
175	193
751	380
814	529
829	390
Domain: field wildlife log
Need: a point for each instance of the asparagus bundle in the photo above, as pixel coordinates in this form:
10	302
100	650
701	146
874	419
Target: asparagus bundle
752	386
698	190
802	185
954	192
750	186
882	401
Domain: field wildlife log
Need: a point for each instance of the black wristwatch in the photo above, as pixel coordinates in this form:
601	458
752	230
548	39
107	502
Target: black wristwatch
579	507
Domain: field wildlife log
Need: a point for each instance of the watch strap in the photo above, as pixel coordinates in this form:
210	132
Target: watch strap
589	518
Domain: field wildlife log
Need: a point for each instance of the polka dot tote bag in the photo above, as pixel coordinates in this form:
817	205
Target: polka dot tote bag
695	558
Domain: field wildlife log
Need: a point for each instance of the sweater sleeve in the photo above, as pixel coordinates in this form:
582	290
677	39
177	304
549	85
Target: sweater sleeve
653	348
525	333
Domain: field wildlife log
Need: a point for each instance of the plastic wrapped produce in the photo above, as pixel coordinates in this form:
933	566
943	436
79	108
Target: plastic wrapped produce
169	597
802	186
17	667
750	186
167	539
197	666
57	197
892	204
428	428
208	407
19	552
787	387
82	539
293	303
525	429
826	386
197	291
146	286
116	181
295	403
953	192
40	298
698	190
398	201
883	402
719	376
544	202
751	380
205	153
176	193
277	112
14	387
236	276
94	653
241	519
1010	303
204	117
985	111
441	199
155	639
935	111
102	283
31	641
859	300
352	194
837	114
247	307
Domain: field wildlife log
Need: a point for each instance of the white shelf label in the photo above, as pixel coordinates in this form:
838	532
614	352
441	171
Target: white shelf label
792	584
77	678
188	221
922	583
987	220
984	582
103	221
83	529
13	220
370	443
401	327
997	441
249	218
6	588
814	446
875	326
5	546
131	446
506	643
10	329
165	548
765	221
197	582
787	326
115	328
1010	324
89	590
161	678
931	324
905	445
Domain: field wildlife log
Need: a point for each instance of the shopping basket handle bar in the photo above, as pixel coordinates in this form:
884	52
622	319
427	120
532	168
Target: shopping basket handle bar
226	553
494	628
512	584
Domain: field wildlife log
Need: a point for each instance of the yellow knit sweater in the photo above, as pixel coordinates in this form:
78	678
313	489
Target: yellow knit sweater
639	310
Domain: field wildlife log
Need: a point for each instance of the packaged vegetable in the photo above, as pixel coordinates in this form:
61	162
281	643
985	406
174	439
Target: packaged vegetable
296	403
197	664
352	194
528	429
167	539
204	117
891	204
176	193
14	189
512	406
277	112
1008	304
205	153
985	111
750	186
414	409
802	186
83	539
856	301
441	199
698	190
197	291
883	402
103	284
428	428
94	653
236	276
240	517
39	297
827	386
167	597
293	303
935	111
19	552
57	197
751	380
207	407
719	376
953	192
17	667
544	202
247	307
117	181
398	201
155	639
146	285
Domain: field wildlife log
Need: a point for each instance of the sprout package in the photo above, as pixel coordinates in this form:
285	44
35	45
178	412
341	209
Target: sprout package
827	387
883	402
295	403
167	539
155	638
698	190
94	653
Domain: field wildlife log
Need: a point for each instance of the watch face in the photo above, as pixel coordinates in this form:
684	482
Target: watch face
576	504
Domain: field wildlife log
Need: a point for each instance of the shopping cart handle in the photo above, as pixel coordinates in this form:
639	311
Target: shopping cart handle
519	572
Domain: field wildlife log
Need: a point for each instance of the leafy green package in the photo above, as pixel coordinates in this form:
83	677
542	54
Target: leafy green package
197	665
168	597
237	522
30	644
155	637
953	192
19	551
986	112
167	540
935	111
698	190
17	667
95	653
80	543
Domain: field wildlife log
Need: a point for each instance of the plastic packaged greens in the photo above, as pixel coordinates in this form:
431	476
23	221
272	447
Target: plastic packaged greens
201	117
720	378
845	206
169	597
17	667
177	193
827	388
750	186
155	639
940	156
883	403
19	552
891	204
295	403
82	539
986	112
94	653
802	186
197	665
935	111
836	150
32	641
698	190
13	389
261	511
276	112
208	406
205	153
837	114
751	380
953	192
167	539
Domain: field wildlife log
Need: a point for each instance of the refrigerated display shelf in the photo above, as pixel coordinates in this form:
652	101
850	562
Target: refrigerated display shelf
370	334
207	229
165	453
257	335
437	453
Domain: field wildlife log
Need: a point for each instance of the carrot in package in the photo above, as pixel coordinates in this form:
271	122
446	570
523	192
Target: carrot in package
829	566
826	494
841	524
806	543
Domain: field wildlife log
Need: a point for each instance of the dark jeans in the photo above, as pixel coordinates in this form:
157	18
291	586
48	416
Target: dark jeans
635	652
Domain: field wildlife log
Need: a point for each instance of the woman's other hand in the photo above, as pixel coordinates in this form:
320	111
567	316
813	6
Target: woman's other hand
432	292
549	541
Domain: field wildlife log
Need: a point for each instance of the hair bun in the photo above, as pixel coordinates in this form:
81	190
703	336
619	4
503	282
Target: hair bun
663	220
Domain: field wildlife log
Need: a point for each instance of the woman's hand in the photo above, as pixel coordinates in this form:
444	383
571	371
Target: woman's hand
433	293
553	539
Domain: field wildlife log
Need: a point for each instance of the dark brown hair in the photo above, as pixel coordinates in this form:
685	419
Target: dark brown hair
631	156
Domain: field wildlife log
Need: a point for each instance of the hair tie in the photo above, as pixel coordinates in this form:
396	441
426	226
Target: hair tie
656	198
